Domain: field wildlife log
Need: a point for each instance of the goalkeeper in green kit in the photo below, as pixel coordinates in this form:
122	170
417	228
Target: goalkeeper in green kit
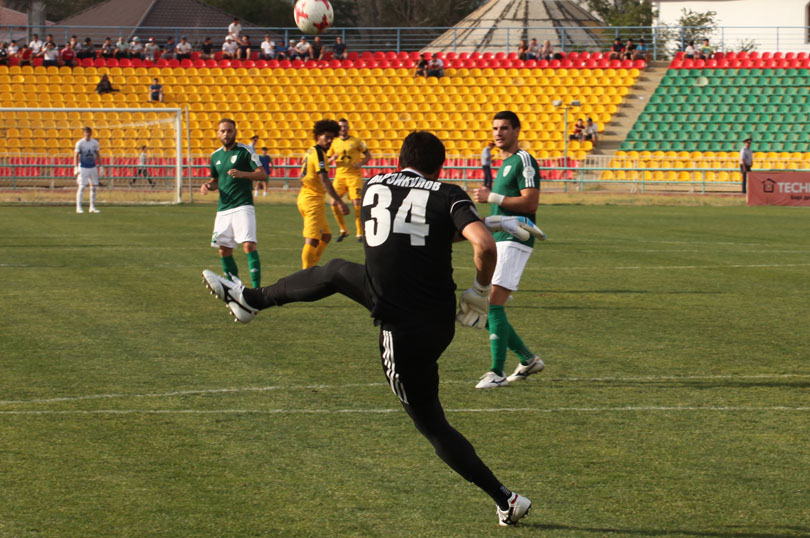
515	192
234	168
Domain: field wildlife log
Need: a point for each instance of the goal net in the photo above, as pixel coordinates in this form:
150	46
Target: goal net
141	153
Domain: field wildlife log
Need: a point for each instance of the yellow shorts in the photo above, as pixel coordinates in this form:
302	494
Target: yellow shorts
313	211
351	184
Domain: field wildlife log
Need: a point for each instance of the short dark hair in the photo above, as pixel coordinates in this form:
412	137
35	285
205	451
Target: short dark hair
325	126
227	120
342	120
87	130
509	116
423	151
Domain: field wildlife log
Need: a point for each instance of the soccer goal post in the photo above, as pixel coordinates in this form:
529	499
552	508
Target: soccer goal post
141	151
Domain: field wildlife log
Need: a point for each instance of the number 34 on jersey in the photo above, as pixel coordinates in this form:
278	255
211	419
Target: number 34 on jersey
410	218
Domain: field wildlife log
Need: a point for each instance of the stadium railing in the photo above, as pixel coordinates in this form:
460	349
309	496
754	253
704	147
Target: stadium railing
664	41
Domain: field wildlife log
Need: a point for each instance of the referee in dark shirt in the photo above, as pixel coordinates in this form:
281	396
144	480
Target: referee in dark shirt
410	221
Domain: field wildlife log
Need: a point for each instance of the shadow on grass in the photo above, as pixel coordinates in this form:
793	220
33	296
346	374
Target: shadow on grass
784	532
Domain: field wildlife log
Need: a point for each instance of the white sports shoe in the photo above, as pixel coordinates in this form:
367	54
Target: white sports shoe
491	380
525	370
79	210
231	293
518	507
94	210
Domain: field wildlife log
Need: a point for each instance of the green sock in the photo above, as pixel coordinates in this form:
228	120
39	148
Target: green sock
229	267
517	346
255	267
498	337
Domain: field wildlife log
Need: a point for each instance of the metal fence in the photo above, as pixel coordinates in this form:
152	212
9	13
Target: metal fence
663	40
55	173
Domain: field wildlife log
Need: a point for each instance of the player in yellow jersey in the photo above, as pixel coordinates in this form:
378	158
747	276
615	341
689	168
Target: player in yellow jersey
315	185
349	154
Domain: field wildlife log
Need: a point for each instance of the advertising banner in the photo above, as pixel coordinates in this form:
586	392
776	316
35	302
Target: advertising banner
779	187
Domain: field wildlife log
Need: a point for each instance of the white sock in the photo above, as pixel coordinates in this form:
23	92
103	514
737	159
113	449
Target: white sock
255	193
79	193
92	197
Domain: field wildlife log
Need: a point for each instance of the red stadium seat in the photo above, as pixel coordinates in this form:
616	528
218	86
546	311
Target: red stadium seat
297	64
199	63
125	62
390	55
475	55
639	64
451	56
512	56
209	63
753	54
627	64
403	55
573	56
222	63
711	64
767	56
137	62
285	64
185	63
699	64
87	62
353	55
366	55
195	55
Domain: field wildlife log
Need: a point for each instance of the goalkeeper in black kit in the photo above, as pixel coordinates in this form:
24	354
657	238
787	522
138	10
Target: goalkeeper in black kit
410	221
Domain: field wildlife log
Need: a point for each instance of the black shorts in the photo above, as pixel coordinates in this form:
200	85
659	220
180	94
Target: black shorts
409	355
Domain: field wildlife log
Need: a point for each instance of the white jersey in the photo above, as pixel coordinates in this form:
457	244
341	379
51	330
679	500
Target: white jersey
87	150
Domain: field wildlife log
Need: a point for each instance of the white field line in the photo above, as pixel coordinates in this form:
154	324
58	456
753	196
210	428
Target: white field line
633	409
237	390
601	269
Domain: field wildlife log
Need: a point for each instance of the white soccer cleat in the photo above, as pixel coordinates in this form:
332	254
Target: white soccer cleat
525	370
94	210
491	380
518	507
232	294
79	210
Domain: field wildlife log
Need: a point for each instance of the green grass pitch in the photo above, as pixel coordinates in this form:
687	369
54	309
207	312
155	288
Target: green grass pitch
675	402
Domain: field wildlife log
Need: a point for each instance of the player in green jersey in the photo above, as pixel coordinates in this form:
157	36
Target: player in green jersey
234	168
515	192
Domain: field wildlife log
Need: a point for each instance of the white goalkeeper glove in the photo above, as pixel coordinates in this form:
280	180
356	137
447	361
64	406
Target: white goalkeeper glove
520	227
473	307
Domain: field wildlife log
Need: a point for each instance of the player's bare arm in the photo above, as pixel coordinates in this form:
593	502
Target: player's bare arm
364	161
525	203
336	200
485	254
258	174
210	185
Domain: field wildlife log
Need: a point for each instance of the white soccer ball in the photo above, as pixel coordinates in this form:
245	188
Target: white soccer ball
313	16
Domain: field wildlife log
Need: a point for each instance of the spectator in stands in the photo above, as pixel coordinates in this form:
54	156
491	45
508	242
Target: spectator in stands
51	55
156	91
578	133
303	49
281	50
104	86
534	50
316	50
121	49
641	50
136	48
243	51
547	52
339	49
630	49
523	50
12	49
25	55
74	43
706	51
267	164
3	53
235	30
49	39
253	141
689	52
591	131
746	162
229	48
67	56
207	49
183	49
616	50
486	164
422	66
292	54
151	50
86	50
37	46
268	49
435	67
169	49
107	48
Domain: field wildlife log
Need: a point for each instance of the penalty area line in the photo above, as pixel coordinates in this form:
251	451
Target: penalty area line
238	390
632	409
